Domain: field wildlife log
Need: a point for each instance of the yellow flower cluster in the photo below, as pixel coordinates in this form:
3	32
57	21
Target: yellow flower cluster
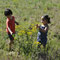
29	33
37	42
17	26
21	32
34	29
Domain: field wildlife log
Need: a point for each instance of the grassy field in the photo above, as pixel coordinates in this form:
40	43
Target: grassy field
28	13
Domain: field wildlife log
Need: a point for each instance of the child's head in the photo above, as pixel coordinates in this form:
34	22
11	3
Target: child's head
45	19
8	12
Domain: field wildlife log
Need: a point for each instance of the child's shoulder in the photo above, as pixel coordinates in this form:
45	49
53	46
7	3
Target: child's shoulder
13	16
42	25
47	27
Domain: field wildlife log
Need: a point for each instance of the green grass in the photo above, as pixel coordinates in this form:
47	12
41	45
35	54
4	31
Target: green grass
31	10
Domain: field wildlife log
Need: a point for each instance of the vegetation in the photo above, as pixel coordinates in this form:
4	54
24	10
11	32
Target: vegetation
28	13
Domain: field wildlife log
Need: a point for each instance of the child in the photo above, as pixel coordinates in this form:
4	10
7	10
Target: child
43	30
10	26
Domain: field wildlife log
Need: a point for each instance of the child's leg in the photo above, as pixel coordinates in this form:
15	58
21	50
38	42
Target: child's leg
10	45
39	44
11	41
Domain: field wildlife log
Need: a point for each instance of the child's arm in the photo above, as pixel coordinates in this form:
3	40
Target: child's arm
10	31
16	23
43	30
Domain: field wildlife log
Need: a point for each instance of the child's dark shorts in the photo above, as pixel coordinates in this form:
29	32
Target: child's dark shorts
10	36
42	41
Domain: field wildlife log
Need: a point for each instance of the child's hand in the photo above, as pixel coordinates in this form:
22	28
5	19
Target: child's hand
13	35
17	23
37	26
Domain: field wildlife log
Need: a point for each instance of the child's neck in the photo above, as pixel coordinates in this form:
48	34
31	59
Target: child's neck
10	17
44	24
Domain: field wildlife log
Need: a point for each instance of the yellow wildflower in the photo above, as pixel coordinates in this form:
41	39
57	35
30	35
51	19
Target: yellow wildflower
34	29
32	24
37	42
29	33
21	32
17	26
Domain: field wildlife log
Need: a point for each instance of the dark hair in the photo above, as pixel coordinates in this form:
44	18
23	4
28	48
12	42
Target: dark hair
7	12
47	18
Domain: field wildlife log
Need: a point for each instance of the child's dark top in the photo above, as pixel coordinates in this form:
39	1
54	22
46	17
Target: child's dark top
42	36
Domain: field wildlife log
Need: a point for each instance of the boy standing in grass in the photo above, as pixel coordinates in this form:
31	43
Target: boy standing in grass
10	26
43	30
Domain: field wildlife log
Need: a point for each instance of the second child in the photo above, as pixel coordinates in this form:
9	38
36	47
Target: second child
43	30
